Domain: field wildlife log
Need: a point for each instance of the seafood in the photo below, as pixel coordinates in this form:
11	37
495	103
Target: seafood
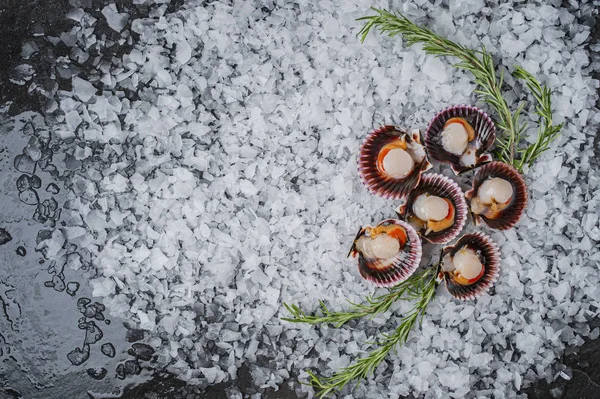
436	209
460	135
387	253
471	266
391	162
498	197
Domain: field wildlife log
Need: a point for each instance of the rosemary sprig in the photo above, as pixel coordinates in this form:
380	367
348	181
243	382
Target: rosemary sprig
406	290
481	65
424	292
547	131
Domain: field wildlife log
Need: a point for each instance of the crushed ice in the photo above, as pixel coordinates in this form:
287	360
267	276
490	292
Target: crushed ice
212	176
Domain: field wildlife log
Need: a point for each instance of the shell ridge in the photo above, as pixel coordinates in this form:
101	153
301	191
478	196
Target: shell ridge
389	272
482	124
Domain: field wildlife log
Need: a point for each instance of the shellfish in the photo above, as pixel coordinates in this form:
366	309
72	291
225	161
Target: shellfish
436	209
471	266
391	162
498	197
387	253
460	135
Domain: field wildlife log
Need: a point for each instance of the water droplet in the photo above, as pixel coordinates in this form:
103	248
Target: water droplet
29	197
52	188
24	164
72	288
108	349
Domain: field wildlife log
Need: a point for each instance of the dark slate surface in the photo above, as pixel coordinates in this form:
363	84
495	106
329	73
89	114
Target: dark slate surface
19	20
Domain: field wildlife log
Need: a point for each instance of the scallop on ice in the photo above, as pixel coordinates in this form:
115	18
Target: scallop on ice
498	197
391	162
471	266
460	135
436	209
387	253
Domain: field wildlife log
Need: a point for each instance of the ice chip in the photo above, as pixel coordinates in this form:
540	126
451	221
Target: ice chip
115	20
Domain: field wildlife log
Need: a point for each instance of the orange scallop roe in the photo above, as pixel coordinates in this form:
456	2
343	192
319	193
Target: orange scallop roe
444	223
392	230
400	143
466	125
464	281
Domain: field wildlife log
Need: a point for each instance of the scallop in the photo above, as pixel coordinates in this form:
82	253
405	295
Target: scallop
471	266
460	135
391	162
387	253
498	197
436	209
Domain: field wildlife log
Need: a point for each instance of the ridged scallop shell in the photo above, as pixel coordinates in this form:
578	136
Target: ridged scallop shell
485	135
509	216
378	182
490	257
441	186
389	272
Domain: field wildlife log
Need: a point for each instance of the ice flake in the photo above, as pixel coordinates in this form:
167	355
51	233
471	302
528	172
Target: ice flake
247	188
183	52
435	69
117	21
83	89
209	188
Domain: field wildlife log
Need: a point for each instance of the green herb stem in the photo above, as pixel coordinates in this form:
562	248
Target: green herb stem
367	364
547	131
481	65
406	290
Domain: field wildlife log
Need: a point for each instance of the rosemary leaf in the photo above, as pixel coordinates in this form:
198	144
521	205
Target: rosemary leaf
547	131
367	364
481	66
407	290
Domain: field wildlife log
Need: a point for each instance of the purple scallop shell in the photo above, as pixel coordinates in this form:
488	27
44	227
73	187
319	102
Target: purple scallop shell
490	257
509	216
379	183
395	270
485	135
441	186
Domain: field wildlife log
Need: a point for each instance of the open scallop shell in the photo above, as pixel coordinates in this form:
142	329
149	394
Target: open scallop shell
391	271
441	186
489	255
484	130
376	180
509	216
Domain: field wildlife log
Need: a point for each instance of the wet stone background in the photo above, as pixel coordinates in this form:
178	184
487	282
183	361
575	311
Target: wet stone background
47	312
